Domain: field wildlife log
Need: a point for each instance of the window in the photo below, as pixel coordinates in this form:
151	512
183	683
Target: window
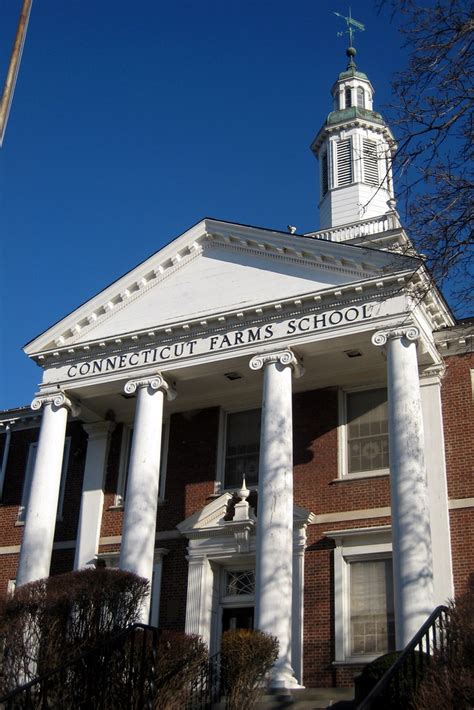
371	169
324	173
371	611
241	448
127	436
240	582
360	97
348	97
363	593
344	162
30	465
364	433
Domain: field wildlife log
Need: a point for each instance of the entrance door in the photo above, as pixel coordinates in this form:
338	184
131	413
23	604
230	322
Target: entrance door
237	618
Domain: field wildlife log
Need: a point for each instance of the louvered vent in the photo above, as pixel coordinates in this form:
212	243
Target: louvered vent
344	162
371	170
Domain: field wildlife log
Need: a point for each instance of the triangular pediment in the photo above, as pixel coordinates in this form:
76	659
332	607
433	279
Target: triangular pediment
214	517
212	269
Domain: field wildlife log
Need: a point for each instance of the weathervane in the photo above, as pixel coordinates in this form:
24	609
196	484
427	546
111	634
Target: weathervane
352	26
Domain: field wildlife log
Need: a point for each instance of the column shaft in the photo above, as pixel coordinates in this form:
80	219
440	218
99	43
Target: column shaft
274	560
92	500
141	500
411	530
40	522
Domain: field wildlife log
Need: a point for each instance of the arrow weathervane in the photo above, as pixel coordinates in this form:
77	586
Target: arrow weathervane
352	26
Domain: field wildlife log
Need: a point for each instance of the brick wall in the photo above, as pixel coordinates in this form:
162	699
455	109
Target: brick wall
458	416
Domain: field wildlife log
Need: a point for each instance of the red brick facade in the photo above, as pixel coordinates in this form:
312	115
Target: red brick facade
190	485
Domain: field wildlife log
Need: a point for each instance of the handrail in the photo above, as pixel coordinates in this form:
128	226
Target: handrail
435	622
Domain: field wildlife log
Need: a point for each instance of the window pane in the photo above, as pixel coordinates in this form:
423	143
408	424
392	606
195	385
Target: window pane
242	447
371	607
367	431
360	97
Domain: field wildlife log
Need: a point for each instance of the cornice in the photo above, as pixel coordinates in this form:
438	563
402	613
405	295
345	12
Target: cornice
258	314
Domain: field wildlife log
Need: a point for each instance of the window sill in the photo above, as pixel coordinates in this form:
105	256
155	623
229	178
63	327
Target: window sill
354	661
19	523
361	476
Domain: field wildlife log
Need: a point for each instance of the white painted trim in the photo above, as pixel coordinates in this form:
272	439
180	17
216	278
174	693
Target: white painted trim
61	545
459	503
352	515
6	450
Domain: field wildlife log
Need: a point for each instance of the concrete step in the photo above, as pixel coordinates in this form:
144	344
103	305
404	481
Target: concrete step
306	699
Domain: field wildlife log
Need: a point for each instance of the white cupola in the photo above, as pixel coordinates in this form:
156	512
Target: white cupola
354	148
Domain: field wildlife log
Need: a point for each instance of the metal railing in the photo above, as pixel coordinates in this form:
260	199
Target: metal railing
122	673
403	678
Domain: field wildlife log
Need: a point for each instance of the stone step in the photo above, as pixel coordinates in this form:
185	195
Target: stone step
306	699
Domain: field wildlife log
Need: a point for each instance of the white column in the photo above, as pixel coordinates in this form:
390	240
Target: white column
430	384
199	597
299	545
411	530
6	450
160	552
92	500
274	561
40	522
141	500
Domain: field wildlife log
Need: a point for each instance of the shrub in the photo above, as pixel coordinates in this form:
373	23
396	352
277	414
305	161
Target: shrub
449	682
48	622
246	658
180	658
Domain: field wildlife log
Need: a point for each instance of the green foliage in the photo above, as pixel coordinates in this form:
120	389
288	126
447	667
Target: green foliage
246	658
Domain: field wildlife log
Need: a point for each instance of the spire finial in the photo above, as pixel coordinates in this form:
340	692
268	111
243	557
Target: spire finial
244	491
352	26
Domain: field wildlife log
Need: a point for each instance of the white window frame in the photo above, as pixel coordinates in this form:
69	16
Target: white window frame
124	460
30	465
343	453
354	545
221	446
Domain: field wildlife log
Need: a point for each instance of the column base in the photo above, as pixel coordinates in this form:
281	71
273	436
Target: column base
284	680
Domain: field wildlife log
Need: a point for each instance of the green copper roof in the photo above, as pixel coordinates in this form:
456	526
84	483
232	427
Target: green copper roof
347	114
351	72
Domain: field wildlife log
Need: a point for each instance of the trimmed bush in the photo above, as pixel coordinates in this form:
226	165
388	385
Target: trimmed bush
246	658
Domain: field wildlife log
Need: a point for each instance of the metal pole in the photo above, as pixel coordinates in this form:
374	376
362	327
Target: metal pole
13	67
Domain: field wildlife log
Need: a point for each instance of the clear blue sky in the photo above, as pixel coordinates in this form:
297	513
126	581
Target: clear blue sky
133	120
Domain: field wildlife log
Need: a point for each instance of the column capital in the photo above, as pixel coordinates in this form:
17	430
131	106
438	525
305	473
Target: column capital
381	337
154	383
56	399
286	357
